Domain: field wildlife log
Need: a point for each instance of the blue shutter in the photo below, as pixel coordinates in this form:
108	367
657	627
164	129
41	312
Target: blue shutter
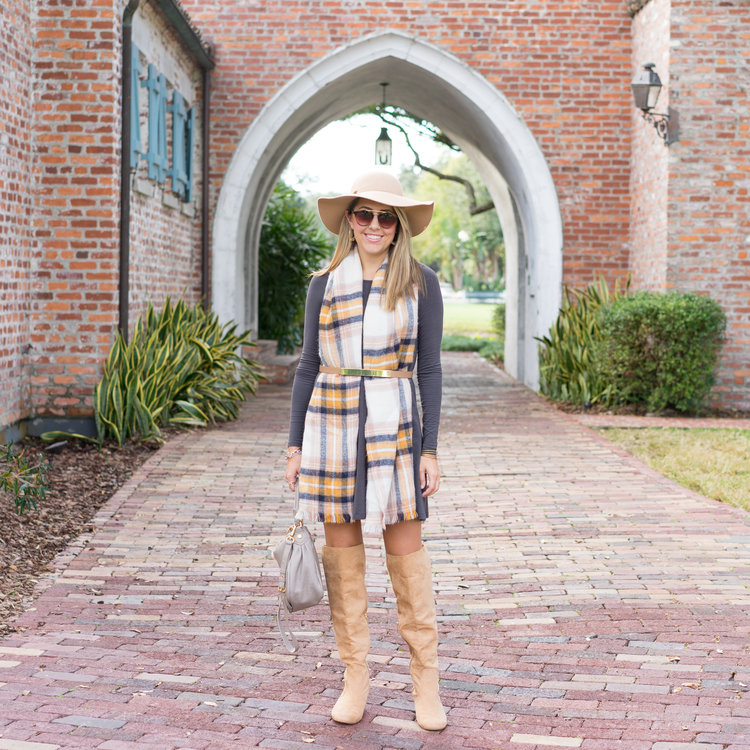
162	154
151	83
189	130
178	173
157	124
136	145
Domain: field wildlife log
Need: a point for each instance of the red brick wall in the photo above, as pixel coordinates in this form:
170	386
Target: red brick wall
15	197
649	165
75	202
709	172
165	236
76	205
564	65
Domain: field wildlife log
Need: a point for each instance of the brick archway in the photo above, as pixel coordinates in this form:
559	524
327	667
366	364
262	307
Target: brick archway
437	86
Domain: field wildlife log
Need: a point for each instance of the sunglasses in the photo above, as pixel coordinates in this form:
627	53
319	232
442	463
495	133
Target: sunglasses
364	216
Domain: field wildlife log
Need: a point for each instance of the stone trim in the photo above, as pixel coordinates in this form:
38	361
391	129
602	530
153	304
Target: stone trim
494	136
199	49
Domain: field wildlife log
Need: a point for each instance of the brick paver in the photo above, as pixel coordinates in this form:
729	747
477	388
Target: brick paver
584	601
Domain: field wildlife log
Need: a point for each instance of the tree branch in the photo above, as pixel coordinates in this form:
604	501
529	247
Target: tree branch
473	208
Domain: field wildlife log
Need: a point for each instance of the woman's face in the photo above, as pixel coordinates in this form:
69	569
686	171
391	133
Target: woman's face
372	238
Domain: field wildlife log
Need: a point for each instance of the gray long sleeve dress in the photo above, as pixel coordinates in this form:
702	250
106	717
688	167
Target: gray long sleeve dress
429	375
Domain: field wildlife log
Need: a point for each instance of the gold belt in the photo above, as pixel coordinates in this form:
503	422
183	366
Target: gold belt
366	373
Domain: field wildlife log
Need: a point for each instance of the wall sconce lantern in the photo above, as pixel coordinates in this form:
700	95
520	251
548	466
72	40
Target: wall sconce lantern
646	88
383	145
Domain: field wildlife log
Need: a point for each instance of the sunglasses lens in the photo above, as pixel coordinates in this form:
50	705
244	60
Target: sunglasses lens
386	219
363	217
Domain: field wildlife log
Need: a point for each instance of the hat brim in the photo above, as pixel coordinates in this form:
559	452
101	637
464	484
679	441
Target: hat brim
418	213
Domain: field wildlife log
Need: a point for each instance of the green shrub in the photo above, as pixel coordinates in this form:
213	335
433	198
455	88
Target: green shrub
181	366
498	321
25	480
457	343
494	351
567	369
661	350
291	248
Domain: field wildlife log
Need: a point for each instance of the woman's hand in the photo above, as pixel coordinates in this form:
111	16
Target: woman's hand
292	468
429	475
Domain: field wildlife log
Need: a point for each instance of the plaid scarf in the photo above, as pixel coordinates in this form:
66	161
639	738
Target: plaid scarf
380	339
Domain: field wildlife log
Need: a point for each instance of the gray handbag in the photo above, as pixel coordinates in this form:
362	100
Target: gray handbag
300	582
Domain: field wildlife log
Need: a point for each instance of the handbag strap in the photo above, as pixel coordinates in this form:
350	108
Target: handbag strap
287	636
297	512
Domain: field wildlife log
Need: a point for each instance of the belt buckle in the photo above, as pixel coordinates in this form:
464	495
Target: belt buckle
368	373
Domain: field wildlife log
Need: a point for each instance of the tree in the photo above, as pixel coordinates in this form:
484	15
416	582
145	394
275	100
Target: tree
465	250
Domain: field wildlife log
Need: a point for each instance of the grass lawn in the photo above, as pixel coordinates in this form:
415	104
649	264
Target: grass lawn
714	462
468	319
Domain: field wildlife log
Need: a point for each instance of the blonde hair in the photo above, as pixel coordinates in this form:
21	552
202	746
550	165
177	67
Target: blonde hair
403	273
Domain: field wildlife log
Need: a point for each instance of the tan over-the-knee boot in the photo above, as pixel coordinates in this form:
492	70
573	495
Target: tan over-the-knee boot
347	596
412	583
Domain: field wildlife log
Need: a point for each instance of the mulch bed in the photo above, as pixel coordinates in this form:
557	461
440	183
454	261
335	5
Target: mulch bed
82	478
639	410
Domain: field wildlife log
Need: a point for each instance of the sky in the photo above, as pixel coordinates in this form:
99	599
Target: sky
328	163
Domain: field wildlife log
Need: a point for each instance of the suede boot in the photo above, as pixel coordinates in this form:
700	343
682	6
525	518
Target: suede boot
412	583
347	596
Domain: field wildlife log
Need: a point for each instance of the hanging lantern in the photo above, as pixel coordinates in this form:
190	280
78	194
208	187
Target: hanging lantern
383	145
383	148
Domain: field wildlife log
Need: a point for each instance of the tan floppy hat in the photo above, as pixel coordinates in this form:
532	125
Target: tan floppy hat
381	188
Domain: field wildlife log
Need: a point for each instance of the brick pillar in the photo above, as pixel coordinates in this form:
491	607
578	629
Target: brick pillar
15	205
649	164
709	196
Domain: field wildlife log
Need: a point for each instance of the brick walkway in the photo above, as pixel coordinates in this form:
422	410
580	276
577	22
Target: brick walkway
584	602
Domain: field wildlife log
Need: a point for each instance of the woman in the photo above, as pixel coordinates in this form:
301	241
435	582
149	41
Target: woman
355	441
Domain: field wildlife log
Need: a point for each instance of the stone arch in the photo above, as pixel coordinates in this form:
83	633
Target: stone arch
435	85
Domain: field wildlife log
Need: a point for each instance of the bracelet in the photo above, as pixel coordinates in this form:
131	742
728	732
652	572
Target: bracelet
431	454
293	453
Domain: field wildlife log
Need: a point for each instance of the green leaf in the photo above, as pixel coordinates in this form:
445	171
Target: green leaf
191	410
60	435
